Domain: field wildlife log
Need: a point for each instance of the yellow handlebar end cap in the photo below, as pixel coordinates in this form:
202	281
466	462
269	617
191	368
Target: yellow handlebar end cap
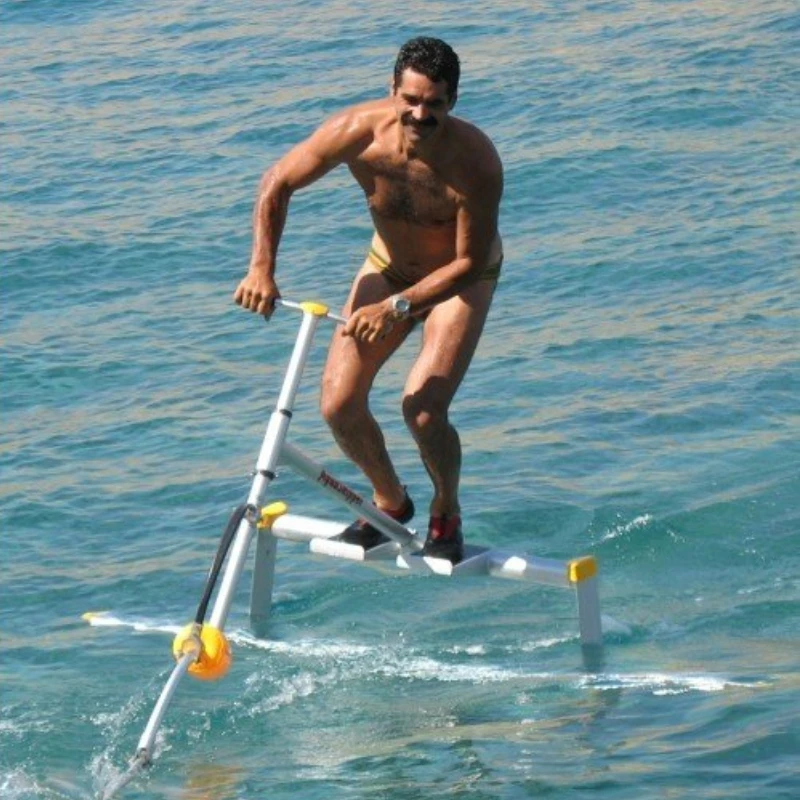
581	569
270	513
317	309
215	652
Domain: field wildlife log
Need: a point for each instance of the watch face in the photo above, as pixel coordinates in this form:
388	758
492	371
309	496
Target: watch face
401	305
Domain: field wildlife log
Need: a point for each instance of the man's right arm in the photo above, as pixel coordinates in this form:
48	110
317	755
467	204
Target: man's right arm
338	139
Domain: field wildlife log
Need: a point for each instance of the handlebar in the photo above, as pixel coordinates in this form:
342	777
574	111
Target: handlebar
318	309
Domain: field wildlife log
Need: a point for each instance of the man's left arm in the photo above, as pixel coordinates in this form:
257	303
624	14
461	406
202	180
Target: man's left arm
476	231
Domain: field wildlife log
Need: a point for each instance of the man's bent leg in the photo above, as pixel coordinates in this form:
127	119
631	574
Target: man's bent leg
349	373
451	334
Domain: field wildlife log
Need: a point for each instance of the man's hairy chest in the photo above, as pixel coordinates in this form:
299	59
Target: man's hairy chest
409	191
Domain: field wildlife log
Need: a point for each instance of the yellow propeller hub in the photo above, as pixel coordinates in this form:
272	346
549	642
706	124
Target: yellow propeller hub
214	659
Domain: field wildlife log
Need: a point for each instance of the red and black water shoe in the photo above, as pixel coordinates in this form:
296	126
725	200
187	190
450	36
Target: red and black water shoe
445	539
367	536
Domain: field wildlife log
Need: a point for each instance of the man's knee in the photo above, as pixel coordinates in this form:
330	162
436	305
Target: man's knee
341	410
425	415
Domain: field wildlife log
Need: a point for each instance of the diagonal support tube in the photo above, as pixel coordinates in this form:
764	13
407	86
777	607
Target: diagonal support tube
309	468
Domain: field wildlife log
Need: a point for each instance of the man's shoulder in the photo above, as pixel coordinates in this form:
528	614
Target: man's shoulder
349	131
355	126
363	117
476	148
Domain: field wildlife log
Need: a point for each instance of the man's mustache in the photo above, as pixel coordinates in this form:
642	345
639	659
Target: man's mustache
428	122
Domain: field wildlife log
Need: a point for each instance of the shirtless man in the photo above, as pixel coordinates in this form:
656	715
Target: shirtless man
433	184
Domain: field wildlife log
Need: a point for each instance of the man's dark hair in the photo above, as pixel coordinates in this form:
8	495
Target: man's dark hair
432	58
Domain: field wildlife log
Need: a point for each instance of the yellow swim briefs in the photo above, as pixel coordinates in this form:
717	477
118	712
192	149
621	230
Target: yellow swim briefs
490	273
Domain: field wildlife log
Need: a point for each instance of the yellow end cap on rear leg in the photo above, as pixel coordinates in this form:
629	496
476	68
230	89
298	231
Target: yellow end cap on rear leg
317	309
270	513
90	615
580	569
214	660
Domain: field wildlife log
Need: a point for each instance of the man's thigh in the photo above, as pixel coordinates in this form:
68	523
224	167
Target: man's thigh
449	338
352	365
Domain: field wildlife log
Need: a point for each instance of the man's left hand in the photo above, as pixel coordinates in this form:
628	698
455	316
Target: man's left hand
370	323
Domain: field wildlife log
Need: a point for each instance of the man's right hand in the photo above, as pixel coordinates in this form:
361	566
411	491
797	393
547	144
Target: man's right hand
257	292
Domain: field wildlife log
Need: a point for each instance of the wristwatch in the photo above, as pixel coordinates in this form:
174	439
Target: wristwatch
401	306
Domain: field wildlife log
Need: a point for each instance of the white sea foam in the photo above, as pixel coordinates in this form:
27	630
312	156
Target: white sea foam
544	644
112	722
620	530
468	650
317	648
659	683
524	647
302	684
16	784
351	660
19	727
423	668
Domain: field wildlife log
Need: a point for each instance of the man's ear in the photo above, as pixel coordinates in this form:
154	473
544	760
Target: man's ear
453	100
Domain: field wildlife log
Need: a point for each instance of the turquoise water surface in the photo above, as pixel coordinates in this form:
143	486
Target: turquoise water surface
635	397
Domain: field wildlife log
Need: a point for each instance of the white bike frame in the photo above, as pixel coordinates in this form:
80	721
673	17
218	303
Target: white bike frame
403	548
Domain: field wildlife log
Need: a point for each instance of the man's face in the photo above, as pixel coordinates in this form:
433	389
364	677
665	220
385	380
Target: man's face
422	105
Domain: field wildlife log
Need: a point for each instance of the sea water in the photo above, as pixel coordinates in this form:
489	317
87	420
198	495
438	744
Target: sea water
634	397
